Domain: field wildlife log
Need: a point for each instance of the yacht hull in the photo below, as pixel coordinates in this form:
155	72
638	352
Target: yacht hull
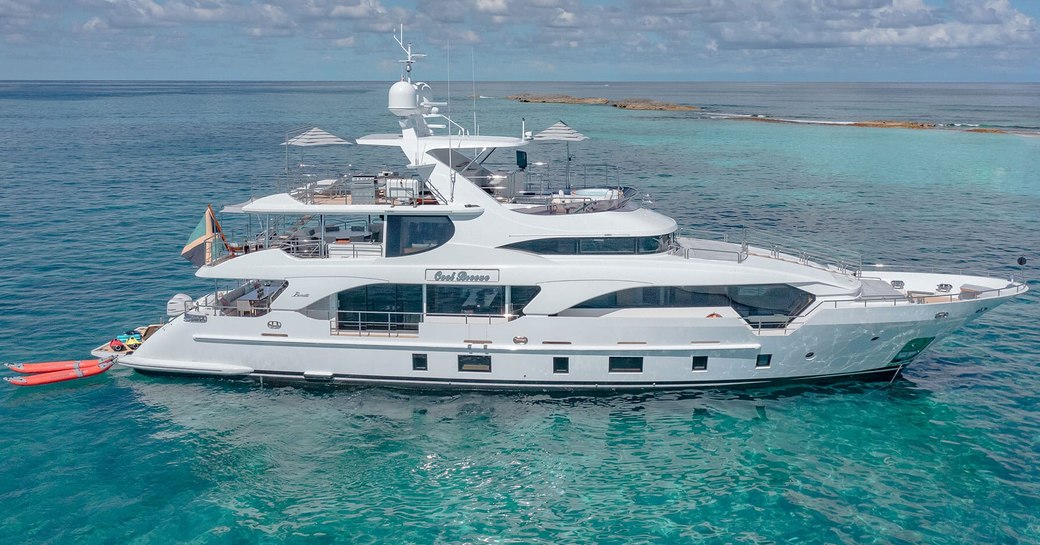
553	352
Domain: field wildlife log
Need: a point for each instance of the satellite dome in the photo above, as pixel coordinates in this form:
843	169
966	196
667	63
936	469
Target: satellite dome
403	99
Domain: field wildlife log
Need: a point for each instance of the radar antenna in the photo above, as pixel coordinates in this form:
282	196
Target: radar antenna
410	57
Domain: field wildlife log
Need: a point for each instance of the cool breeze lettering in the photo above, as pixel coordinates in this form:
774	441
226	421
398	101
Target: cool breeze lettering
460	276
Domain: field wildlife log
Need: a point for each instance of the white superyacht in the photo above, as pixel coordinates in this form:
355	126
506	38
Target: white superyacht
459	276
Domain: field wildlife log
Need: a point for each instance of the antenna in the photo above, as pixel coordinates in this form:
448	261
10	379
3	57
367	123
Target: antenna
473	65
410	57
451	160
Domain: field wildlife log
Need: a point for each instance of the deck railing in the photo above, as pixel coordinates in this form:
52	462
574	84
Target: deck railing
752	242
539	180
377	323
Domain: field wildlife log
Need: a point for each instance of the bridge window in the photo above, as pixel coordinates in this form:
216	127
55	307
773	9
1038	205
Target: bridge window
595	245
607	245
406	235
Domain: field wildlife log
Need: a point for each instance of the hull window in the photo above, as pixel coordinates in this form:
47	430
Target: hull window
700	363
419	362
561	365
626	364
474	364
911	349
763	361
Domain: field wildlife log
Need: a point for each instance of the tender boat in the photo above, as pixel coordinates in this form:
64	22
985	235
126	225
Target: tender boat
457	275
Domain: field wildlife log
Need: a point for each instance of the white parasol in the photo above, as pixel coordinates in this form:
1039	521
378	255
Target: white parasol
561	131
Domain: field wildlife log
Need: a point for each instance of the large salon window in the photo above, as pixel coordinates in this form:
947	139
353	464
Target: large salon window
380	307
761	305
400	306
406	235
487	300
596	245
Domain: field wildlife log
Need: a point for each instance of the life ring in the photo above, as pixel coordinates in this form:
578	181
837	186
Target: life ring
714	315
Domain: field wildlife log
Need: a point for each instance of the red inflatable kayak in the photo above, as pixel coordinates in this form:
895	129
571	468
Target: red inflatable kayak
51	366
59	376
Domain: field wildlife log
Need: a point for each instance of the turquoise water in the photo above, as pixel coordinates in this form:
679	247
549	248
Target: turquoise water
101	184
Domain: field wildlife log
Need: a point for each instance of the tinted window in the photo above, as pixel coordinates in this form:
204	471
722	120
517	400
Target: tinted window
480	364
380	306
465	299
596	245
548	246
623	245
764	305
519	296
408	235
626	364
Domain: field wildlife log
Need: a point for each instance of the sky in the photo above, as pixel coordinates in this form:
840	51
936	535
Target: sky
508	40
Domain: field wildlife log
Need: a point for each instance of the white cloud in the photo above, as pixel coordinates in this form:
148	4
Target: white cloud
890	23
494	7
94	24
362	10
636	32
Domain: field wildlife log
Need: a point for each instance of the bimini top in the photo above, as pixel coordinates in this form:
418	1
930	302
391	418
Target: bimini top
441	141
283	203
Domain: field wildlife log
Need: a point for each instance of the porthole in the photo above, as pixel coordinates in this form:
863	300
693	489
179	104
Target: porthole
874	338
810	355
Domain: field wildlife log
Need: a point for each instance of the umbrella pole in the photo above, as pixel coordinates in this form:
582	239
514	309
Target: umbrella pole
568	167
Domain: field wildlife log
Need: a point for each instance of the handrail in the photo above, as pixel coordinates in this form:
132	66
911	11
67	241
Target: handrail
757	243
367	322
1014	288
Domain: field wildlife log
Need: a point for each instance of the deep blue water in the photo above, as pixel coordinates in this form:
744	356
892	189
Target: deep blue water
101	183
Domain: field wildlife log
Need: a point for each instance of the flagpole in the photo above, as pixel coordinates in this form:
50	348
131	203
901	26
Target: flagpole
216	223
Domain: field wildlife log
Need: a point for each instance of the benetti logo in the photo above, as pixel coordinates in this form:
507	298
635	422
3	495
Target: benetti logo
462	275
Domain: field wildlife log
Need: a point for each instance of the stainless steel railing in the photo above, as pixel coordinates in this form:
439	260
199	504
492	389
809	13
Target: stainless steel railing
377	323
751	242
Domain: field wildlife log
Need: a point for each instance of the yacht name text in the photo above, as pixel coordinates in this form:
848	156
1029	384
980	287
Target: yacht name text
462	275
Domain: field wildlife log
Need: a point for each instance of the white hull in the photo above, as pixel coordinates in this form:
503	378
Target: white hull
303	349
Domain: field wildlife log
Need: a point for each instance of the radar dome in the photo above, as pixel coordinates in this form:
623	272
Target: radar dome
403	99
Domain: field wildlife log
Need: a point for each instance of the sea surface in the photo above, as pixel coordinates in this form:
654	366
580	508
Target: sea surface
102	182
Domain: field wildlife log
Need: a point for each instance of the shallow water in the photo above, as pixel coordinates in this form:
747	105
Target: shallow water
102	183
